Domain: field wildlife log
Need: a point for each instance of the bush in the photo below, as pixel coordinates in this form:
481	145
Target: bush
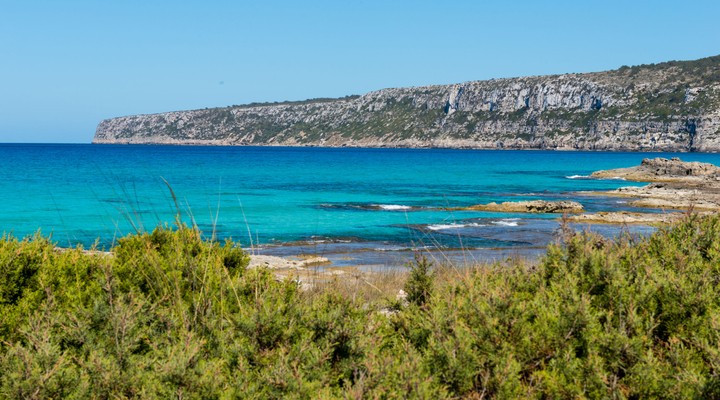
419	284
171	315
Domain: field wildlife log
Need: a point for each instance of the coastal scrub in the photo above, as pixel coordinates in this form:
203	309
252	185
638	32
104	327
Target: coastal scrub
169	314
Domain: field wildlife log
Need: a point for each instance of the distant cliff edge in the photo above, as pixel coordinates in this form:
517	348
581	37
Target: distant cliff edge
671	106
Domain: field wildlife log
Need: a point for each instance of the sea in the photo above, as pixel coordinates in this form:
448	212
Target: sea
370	208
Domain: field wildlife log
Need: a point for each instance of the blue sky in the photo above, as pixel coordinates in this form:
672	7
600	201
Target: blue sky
66	65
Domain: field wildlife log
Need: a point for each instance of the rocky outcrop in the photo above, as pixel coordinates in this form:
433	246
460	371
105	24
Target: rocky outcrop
624	217
663	170
669	106
678	195
274	262
533	206
676	184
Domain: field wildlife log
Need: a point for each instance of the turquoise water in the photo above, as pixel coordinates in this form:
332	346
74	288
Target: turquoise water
353	199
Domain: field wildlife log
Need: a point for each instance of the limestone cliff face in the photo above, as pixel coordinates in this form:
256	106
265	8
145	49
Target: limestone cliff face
667	106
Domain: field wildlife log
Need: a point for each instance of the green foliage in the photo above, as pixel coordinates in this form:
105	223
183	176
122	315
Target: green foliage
665	105
171	315
317	100
419	283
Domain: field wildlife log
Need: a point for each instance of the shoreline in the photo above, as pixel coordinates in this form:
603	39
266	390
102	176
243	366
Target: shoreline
679	186
408	147
495	231
673	184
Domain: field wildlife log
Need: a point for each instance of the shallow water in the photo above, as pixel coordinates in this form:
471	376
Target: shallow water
379	202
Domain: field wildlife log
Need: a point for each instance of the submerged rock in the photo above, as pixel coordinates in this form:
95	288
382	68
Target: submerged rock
533	206
624	217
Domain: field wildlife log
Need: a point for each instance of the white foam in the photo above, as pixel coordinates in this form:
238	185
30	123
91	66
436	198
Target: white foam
506	222
617	178
393	207
391	248
440	227
578	177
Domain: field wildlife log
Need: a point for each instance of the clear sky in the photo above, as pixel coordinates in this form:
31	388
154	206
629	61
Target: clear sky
66	65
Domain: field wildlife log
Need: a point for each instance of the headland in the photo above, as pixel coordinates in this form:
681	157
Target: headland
670	106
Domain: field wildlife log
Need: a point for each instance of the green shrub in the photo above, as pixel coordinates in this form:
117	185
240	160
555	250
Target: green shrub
169	314
420	281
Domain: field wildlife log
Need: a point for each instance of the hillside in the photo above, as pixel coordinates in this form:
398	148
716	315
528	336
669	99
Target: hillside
668	106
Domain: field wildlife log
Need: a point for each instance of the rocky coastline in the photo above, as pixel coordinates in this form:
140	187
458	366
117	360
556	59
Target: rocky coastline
673	185
675	188
627	218
672	106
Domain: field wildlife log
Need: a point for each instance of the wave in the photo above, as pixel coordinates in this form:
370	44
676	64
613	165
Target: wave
365	207
441	227
587	177
392	248
314	240
391	207
506	222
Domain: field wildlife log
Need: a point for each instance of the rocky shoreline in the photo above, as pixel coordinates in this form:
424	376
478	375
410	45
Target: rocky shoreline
673	185
675	188
627	218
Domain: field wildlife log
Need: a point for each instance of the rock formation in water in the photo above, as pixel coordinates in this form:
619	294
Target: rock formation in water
531	206
676	184
664	170
671	106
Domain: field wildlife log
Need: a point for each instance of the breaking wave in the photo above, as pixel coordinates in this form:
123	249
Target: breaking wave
441	227
391	207
506	222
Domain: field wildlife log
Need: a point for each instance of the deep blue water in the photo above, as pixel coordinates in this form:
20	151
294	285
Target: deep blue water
355	199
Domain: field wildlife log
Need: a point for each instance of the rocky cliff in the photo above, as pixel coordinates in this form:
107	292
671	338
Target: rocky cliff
667	106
